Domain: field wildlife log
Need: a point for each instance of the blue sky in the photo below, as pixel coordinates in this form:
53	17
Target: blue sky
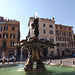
62	10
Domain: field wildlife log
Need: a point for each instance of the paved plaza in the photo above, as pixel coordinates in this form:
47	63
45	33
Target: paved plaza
62	62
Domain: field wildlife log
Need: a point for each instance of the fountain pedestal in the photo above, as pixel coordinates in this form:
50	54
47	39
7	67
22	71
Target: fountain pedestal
34	48
28	66
40	66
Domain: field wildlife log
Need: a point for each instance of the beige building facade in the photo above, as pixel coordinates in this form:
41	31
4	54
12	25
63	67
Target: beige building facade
60	35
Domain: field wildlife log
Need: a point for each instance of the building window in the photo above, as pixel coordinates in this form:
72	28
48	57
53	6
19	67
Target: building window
5	35
56	27
61	45
5	28
61	27
69	28
72	44
12	36
61	33
0	28
57	38
43	39
50	26
12	44
0	35
51	40
4	44
58	44
43	25
50	32
68	45
44	31
65	27
58	52
62	39
57	33
52	47
65	45
65	39
13	28
70	34
71	40
65	33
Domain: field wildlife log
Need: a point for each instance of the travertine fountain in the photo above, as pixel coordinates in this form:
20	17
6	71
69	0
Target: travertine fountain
34	46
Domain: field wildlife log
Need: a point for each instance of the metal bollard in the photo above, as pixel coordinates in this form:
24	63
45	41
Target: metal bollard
60	62
50	60
73	62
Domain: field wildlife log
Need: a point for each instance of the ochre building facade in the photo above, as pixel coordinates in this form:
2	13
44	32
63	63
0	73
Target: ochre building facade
9	35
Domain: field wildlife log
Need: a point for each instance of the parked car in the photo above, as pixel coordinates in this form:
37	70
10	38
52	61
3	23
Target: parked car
11	58
73	55
1	58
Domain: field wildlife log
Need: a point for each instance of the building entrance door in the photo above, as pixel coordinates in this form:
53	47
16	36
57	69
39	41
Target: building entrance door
63	53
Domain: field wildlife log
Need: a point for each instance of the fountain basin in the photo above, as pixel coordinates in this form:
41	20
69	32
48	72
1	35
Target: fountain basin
50	70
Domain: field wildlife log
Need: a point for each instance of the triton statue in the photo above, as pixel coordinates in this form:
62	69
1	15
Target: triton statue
35	27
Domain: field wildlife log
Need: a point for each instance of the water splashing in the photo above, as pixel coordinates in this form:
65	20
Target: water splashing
36	15
21	53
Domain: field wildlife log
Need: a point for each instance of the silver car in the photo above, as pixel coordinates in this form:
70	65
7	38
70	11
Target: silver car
11	58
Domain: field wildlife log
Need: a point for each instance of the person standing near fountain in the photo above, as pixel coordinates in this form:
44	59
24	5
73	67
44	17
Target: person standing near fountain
3	60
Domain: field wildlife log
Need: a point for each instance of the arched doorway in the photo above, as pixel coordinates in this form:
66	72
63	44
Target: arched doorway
63	53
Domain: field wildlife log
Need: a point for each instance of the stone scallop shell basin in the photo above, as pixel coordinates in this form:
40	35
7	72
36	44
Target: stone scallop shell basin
50	70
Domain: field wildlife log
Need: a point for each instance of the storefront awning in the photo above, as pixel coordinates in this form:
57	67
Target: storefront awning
70	49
